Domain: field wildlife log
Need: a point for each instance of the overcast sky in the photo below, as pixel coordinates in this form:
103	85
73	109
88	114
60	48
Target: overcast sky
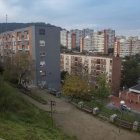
120	15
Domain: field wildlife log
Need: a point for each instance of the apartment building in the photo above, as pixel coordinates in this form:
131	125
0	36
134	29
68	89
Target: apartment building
122	48
100	42
111	37
42	43
66	37
71	41
127	47
135	45
96	65
86	44
118	38
87	32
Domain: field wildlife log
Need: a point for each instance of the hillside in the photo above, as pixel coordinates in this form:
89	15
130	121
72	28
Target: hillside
21	120
13	26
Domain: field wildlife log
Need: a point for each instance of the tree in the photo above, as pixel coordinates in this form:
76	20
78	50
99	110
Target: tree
102	92
131	73
75	86
19	66
127	57
110	50
81	70
63	74
117	55
137	55
1	68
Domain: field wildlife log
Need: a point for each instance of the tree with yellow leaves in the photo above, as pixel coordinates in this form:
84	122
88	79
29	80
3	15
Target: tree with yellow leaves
75	86
19	66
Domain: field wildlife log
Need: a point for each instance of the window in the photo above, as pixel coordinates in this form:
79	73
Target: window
94	59
104	60
101	59
110	74
42	63
42	53
42	42
43	73
41	31
110	61
109	80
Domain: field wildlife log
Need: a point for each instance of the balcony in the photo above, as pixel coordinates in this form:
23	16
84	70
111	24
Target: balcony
76	59
27	37
98	61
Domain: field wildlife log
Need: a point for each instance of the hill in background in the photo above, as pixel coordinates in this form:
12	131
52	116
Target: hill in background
13	26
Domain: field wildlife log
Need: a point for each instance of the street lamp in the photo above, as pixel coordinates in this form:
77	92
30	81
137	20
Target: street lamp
122	103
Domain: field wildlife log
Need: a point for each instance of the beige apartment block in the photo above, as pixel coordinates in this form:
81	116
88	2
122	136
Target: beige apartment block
118	38
111	37
86	44
96	65
127	47
100	42
64	38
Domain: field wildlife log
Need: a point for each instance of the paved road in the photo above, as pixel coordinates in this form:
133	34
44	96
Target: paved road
79	123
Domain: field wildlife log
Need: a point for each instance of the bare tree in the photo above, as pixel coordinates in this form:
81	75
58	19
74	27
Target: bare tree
20	66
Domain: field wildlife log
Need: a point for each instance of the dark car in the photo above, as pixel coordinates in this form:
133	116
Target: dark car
53	91
125	108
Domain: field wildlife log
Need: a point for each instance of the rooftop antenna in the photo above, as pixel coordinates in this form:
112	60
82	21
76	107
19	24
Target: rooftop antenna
6	21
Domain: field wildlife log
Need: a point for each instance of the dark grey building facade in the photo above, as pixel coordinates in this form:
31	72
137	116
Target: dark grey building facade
43	45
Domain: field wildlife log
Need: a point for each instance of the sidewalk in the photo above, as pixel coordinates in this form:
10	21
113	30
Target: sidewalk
116	101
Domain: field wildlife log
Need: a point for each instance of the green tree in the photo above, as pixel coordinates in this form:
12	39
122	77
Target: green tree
127	57
102	92
63	74
131	73
137	55
1	68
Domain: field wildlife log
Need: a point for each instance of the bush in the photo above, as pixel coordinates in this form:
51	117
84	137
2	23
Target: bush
40	99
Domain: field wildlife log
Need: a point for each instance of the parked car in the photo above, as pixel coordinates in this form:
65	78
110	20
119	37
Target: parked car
125	108
53	91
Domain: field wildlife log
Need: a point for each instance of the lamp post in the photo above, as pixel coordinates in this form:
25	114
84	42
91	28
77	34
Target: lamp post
122	103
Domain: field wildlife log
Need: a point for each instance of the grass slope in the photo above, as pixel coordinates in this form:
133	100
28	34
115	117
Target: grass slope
20	120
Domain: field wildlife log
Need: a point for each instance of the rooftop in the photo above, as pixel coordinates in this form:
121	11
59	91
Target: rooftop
135	89
88	55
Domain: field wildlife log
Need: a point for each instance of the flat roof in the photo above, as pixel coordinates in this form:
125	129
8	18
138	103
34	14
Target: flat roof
89	55
137	87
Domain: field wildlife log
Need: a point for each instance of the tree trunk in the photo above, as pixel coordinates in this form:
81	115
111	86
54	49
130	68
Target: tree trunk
19	81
